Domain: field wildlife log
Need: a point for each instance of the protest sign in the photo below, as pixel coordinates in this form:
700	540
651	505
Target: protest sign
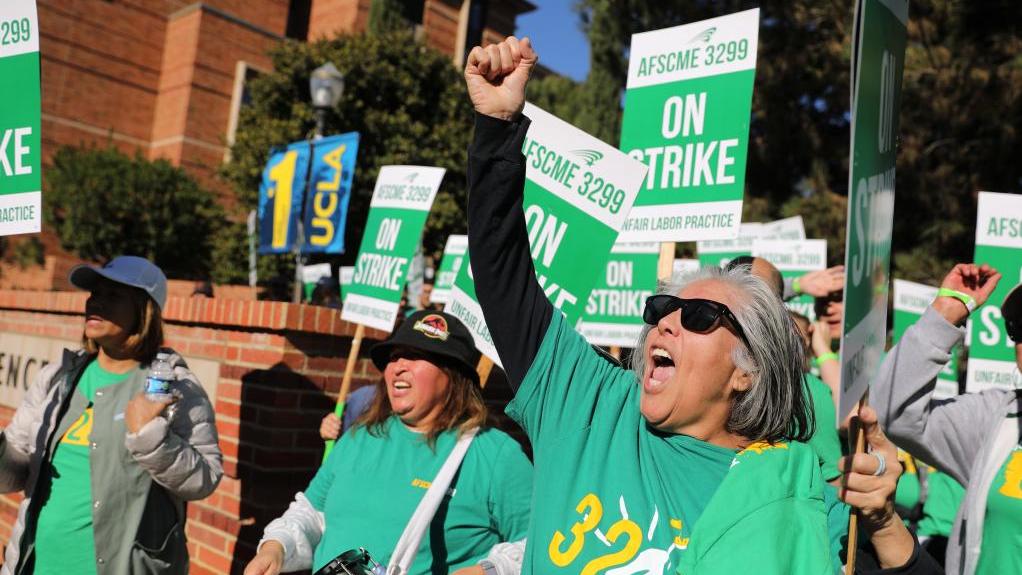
282	194
312	274
720	252
687	113
794	258
578	191
20	113
344	274
910	301
999	244
613	315
881	61
454	255
397	213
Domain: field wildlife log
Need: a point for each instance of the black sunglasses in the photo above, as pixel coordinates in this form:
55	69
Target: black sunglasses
697	315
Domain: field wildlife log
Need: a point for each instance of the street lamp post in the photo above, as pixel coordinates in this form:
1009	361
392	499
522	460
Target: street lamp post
326	85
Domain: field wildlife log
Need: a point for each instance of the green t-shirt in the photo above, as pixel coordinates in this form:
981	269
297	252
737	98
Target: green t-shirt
64	530
907	493
370	485
610	491
943	498
1001	550
825	442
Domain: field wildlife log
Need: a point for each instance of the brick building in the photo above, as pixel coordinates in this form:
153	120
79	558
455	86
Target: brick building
166	77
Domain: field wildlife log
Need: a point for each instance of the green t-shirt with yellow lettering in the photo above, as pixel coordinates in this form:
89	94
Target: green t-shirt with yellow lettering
612	494
64	531
1001	550
370	485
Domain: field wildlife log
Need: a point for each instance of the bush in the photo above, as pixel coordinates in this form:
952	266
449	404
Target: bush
103	203
406	100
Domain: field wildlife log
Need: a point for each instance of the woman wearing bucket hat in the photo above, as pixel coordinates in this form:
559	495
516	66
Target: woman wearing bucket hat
976	438
106	471
428	404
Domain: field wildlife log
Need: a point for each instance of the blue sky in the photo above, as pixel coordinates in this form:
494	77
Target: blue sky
557	35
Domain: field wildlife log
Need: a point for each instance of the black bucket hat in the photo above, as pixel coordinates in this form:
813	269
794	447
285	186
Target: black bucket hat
1011	310
434	333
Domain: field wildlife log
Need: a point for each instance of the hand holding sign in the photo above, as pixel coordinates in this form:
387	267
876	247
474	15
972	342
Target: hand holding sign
869	482
971	280
496	77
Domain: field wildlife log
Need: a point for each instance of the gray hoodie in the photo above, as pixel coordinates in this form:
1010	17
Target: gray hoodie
968	436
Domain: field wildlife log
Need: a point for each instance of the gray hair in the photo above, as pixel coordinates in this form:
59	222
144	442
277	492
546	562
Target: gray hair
777	405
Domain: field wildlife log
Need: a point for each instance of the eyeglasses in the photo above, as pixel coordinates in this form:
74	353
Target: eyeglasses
697	315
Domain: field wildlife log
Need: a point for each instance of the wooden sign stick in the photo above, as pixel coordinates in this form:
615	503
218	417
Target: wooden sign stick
665	266
853	518
349	370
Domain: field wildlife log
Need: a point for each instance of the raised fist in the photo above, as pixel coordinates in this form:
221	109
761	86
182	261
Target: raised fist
975	281
496	77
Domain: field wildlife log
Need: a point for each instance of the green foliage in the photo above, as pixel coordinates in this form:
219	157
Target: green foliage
385	16
30	252
556	94
406	100
961	113
103	203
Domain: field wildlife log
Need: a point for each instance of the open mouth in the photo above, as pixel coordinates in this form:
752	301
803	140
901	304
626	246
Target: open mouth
402	385
663	366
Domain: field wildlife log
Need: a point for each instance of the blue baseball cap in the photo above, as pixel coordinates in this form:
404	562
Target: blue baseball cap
127	270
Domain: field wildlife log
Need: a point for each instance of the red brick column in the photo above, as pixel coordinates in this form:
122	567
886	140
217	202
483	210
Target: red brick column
280	367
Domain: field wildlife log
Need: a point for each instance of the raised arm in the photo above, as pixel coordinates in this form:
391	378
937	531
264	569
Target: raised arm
515	308
946	434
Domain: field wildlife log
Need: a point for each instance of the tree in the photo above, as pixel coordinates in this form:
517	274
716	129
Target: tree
558	95
103	203
406	100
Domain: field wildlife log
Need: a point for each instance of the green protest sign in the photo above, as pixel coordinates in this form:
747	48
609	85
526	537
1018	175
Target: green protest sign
881	61
910	301
613	315
794	258
720	252
311	274
578	191
998	243
20	112
397	213
687	112
454	255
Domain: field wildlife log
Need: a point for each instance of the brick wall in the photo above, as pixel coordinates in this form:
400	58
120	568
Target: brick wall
280	367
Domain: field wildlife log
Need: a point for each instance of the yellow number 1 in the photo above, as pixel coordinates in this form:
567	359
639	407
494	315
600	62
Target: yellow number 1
282	175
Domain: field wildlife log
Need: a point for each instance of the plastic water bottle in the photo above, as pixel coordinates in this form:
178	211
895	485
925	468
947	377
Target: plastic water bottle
159	379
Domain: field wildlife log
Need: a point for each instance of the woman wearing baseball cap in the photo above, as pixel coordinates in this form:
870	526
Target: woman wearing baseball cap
105	470
426	404
976	438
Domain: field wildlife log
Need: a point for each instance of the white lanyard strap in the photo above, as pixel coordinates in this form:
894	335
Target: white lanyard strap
408	545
